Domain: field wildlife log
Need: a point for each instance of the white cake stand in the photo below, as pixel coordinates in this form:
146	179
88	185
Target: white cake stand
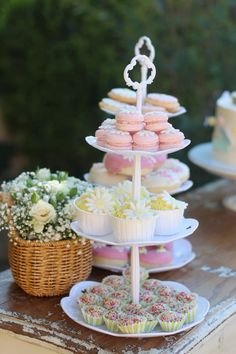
202	156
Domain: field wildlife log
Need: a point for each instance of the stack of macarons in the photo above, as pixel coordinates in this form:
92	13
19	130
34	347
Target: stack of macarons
131	130
119	98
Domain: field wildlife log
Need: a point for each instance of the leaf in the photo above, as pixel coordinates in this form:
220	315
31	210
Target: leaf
35	198
73	192
60	196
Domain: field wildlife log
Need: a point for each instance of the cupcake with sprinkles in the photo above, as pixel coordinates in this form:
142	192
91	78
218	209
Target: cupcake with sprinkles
88	299
129	324
110	303
187	298
190	310
131	309
151	284
115	281
101	290
93	314
111	320
122	295
147	297
171	321
127	275
151	321
157	309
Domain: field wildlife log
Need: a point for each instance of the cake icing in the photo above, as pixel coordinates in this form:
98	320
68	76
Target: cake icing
224	136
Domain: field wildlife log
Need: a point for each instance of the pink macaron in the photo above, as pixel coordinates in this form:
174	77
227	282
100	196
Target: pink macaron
145	140
156	258
129	120
156	121
100	134
108	124
118	140
170	138
119	164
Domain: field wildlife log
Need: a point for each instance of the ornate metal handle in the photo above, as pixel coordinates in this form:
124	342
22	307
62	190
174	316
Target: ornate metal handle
147	41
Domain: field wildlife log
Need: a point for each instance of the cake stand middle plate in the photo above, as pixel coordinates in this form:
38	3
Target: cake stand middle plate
188	227
182	255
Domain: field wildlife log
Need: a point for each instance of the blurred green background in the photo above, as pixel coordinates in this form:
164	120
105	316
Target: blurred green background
58	58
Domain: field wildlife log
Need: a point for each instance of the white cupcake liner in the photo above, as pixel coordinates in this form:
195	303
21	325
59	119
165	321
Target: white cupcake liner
126	230
169	222
135	328
94	224
172	325
94	321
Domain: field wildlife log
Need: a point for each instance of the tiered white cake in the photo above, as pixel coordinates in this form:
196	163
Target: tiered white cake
224	136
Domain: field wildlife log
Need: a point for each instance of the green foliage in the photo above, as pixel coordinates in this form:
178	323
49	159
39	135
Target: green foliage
60	57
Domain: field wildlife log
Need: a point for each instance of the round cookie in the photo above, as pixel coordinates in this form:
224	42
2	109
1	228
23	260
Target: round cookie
129	120
156	121
178	167
170	103
145	140
98	174
160	180
110	105
118	140
123	95
170	138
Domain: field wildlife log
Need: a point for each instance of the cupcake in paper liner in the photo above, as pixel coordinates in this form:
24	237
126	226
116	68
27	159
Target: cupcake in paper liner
93	209
170	213
151	284
100	290
111	320
127	275
151	320
110	303
115	281
122	295
186	298
133	221
147	298
131	309
93	314
157	309
86	299
190	310
171	321
129	324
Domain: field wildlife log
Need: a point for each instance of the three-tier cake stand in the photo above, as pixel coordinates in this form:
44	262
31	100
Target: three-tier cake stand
189	225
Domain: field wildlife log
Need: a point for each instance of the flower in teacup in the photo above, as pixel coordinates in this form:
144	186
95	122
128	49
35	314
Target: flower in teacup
43	174
42	213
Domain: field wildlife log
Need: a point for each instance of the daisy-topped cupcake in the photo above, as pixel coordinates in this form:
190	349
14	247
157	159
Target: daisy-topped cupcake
94	208
133	221
170	213
123	192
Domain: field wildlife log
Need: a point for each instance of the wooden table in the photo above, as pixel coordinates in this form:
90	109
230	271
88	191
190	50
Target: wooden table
41	326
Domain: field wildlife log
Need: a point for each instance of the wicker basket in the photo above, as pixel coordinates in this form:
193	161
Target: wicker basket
49	269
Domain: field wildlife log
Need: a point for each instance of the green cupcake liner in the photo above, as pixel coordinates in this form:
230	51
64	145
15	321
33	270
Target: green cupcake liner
191	315
135	328
171	326
150	325
94	321
111	325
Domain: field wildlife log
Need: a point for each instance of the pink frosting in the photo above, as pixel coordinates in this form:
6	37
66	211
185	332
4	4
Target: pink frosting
111	252
116	164
155	257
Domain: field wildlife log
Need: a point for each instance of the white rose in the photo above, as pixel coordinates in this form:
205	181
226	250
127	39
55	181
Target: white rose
56	186
42	213
43	174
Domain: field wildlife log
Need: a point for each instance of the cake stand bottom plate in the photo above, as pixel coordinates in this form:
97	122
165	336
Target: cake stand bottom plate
71	308
182	255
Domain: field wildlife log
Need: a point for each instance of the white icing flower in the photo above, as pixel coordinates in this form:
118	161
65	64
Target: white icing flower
138	211
99	201
174	203
123	191
41	213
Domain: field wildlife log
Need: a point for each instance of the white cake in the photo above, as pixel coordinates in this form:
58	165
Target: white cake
224	136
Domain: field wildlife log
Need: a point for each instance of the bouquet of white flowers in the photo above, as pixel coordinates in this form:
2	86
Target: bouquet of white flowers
41	207
45	256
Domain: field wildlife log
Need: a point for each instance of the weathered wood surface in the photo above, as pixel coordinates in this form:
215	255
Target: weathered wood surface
212	274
